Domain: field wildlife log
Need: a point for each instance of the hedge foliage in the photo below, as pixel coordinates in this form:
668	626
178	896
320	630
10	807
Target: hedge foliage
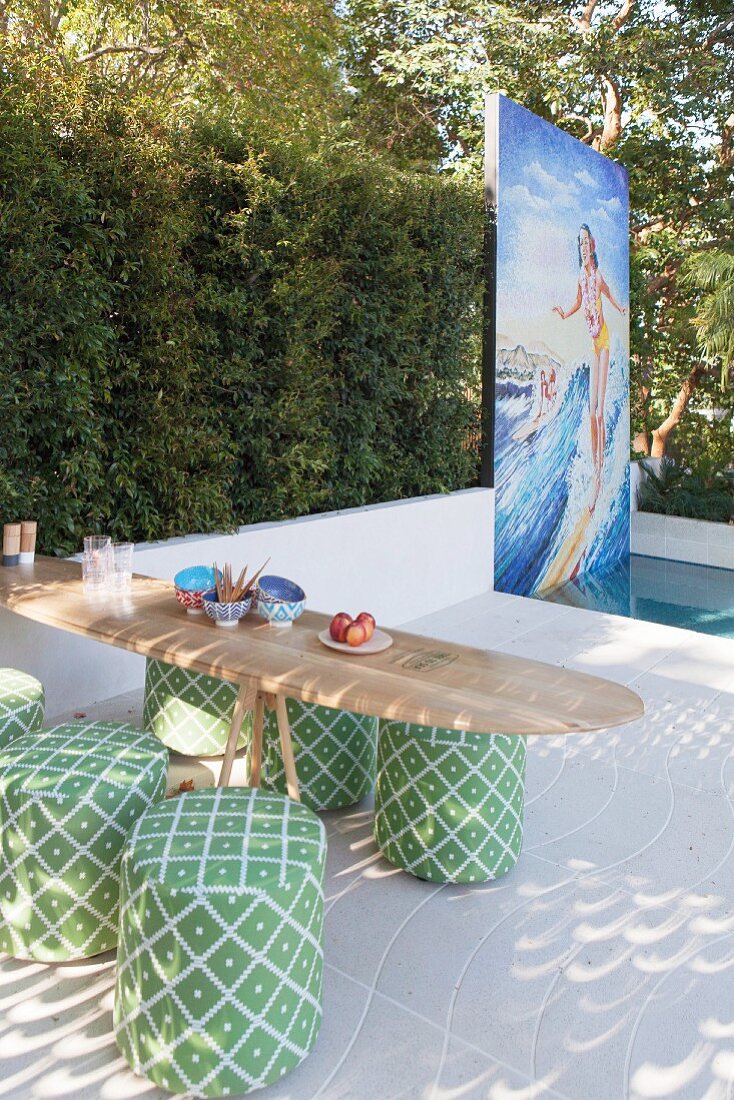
201	327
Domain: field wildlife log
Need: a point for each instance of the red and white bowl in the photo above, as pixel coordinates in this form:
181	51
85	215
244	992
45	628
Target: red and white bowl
191	584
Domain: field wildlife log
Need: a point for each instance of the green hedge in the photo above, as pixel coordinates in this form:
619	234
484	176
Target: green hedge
201	328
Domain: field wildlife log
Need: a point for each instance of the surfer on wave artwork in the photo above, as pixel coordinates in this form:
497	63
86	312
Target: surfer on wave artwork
546	398
543	394
591	286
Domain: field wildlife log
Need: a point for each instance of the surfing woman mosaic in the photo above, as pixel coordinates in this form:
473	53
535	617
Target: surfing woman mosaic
561	385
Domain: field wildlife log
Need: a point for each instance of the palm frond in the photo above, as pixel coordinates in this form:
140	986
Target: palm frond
712	274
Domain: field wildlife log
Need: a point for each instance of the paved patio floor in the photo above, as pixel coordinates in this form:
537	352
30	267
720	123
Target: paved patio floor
600	968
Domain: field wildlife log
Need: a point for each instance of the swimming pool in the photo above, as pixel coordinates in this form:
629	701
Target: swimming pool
696	597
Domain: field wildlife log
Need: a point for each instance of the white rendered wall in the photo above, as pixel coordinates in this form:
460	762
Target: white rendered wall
638	476
398	560
679	539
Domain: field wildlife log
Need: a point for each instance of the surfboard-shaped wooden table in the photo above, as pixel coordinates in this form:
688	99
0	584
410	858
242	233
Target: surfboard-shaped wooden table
418	679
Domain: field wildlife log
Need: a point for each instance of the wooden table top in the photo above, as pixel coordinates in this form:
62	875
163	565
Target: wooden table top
418	679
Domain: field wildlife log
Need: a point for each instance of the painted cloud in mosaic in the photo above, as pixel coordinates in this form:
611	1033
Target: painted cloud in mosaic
562	355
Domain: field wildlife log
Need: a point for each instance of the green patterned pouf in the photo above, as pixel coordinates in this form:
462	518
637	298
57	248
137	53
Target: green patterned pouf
67	801
190	712
219	967
335	754
22	705
449	804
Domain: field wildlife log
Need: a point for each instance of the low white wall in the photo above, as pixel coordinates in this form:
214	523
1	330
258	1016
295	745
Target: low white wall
399	560
679	539
638	475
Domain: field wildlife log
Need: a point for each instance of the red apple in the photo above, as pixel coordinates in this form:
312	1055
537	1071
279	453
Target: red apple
356	634
369	622
339	625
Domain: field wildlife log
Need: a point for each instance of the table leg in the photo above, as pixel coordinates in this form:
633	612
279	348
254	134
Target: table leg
286	748
256	756
244	697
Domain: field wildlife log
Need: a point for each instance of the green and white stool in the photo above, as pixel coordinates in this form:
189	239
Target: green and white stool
189	712
68	799
22	705
448	803
335	754
219	967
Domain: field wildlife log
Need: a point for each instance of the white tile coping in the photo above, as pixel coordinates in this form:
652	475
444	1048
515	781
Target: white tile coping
679	539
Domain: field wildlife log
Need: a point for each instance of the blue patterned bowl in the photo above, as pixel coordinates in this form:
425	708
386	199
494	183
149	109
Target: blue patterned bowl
225	614
280	612
279	590
196	578
191	584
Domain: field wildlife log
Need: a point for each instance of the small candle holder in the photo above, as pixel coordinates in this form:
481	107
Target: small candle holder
11	543
28	532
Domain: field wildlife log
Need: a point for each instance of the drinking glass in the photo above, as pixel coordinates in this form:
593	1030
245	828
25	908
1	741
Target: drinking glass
95	572
121	576
96	562
97	544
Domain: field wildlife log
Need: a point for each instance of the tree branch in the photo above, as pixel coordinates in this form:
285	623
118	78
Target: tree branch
622	15
665	279
722	33
662	433
589	135
583	22
58	15
611	98
653	225
726	150
147	51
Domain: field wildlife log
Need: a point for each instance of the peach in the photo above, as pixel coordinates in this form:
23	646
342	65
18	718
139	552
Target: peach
356	634
369	622
339	625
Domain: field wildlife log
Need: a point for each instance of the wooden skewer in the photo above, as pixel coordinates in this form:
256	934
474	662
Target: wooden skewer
239	587
251	583
229	592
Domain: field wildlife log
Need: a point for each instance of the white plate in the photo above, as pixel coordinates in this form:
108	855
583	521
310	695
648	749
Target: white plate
379	641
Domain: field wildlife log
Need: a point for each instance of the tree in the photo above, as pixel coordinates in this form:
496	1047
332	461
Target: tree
253	58
646	83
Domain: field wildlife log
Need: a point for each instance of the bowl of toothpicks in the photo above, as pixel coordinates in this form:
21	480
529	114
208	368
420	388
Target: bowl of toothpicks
231	599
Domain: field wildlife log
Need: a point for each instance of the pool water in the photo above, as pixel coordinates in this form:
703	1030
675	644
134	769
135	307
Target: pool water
696	597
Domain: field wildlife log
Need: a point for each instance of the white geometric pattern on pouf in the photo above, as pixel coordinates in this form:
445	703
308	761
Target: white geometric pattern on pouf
68	798
22	705
189	711
449	803
219	965
335	753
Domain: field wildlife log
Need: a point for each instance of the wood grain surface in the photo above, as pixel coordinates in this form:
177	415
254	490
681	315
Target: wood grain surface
419	679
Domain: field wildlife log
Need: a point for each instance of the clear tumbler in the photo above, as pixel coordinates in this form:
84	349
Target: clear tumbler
96	563
121	577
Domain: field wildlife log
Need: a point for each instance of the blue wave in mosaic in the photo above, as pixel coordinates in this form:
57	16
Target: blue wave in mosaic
544	482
